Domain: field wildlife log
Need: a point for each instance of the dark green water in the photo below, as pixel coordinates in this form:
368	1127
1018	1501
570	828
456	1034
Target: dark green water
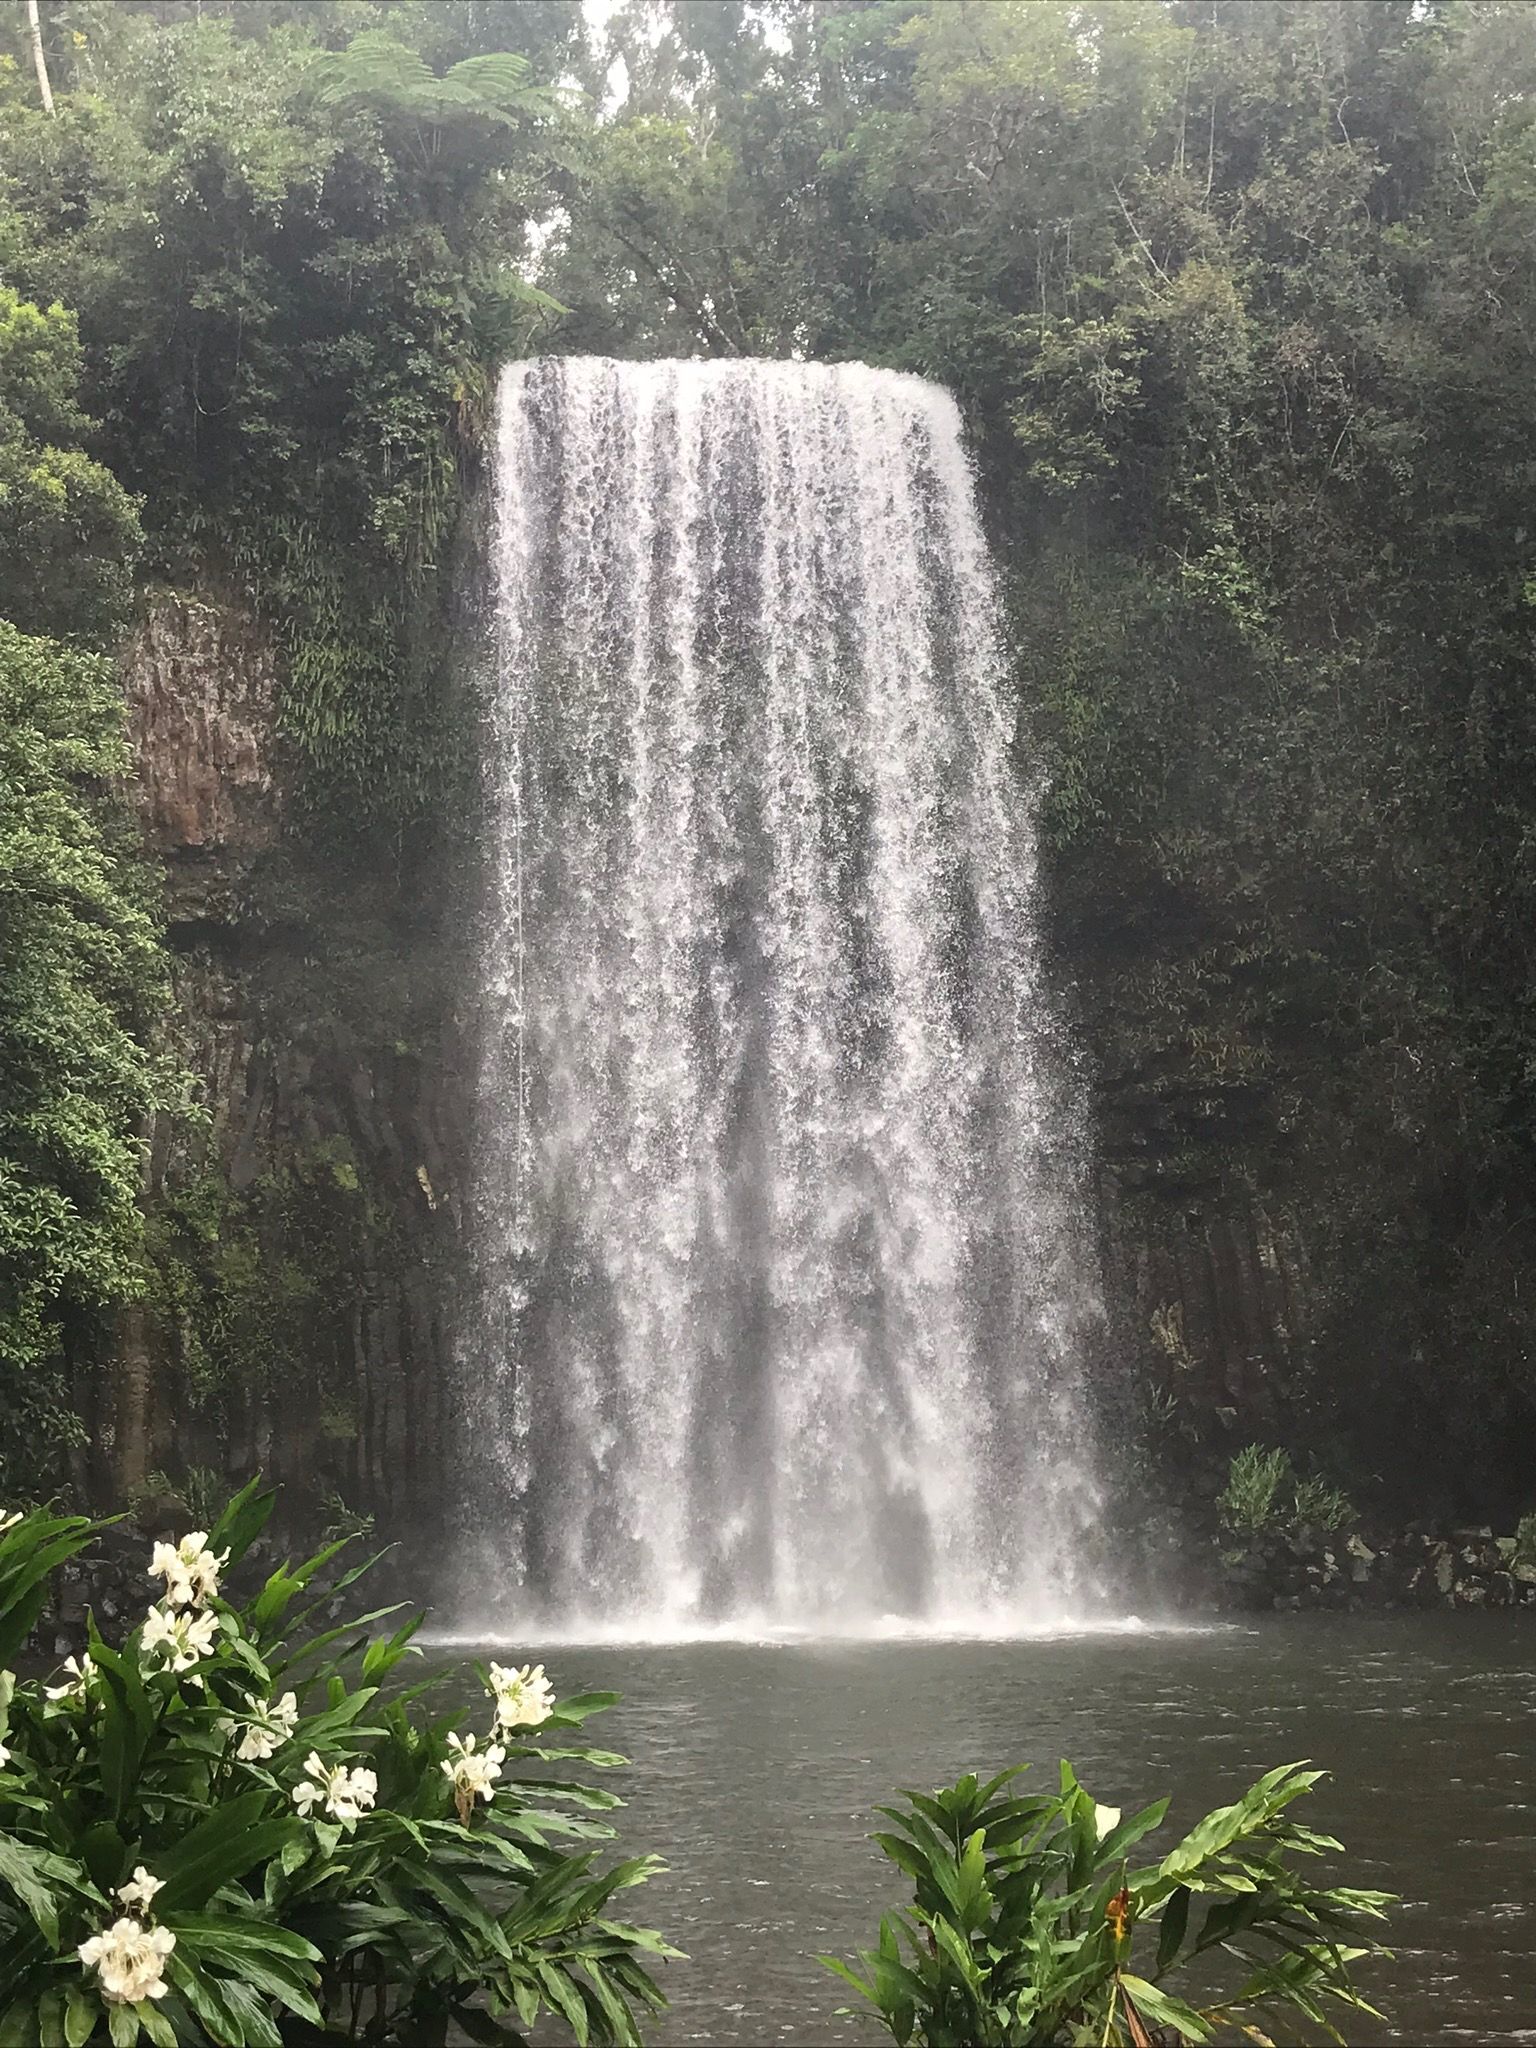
756	1768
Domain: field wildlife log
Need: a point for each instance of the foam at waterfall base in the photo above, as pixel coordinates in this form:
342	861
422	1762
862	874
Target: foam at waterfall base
665	1632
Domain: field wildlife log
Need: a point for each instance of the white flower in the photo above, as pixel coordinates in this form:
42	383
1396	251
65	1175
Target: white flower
184	1638
344	1794
524	1697
473	1773
9	1521
5	1756
189	1568
82	1672
1105	1820
130	1960
138	1893
266	1732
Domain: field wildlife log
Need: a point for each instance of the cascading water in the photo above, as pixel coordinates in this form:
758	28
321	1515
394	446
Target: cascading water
781	1297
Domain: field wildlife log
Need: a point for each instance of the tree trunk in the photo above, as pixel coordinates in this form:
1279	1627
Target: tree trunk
40	62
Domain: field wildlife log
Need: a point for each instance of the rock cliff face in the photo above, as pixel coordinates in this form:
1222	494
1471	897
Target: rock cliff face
303	1223
202	688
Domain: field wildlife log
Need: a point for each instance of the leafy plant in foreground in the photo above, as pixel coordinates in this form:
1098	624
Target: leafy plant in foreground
221	1834
1030	1927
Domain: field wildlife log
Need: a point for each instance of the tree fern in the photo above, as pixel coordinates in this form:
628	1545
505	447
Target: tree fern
376	70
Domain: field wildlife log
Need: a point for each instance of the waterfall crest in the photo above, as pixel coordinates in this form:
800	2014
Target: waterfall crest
781	1290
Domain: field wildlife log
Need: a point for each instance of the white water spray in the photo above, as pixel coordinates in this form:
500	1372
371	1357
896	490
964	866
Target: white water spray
781	1294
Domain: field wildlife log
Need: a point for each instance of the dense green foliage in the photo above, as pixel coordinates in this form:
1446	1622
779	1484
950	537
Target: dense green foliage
70	531
279	244
324	1860
1236	296
83	979
82	984
291	249
1030	1929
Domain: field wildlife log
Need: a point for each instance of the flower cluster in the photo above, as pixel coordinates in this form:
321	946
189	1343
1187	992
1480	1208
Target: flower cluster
524	1697
82	1674
181	1640
473	1773
268	1729
9	1521
138	1893
345	1795
130	1960
189	1568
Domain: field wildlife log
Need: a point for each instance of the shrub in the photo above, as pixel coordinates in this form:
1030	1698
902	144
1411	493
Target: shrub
1254	1481
1264	1491
222	1833
1028	1926
1321	1505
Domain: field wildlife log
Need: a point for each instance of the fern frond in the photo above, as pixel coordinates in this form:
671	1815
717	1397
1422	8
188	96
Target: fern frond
378	70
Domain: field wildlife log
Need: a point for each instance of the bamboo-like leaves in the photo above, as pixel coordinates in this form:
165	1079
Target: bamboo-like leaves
1025	1920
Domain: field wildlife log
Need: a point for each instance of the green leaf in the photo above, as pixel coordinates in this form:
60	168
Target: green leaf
204	1994
1172	1927
258	2028
241	1936
564	1999
105	1855
243	1520
128	1718
36	1877
1163	2010
123	2025
385	1652
1129	1832
81	2012
580	1707
156	2025
233	1839
50	2017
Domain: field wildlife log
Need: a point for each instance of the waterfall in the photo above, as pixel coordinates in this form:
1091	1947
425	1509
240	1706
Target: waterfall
781	1291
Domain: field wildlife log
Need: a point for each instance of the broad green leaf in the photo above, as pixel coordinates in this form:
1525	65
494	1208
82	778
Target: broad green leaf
37	1878
243	1520
233	1839
1163	2010
82	2009
123	2025
1172	1927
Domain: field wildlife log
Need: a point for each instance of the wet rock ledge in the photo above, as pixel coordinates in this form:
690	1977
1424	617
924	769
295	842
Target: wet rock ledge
1352	1570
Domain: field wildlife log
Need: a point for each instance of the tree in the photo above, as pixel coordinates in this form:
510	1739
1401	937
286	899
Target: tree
39	59
70	532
